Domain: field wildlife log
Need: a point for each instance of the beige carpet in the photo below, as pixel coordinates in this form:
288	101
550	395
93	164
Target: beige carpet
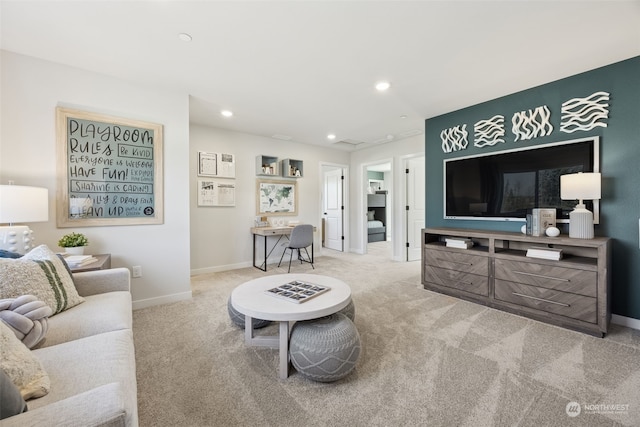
427	359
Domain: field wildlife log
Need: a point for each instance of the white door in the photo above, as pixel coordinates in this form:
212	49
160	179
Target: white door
333	210
415	207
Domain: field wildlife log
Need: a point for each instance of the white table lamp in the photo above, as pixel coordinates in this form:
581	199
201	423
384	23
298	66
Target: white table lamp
19	203
580	186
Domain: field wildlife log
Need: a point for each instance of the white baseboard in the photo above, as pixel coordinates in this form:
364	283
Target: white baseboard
629	322
220	268
165	299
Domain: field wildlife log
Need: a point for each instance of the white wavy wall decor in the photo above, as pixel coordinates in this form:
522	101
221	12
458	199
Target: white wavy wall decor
585	113
532	124
488	132
454	139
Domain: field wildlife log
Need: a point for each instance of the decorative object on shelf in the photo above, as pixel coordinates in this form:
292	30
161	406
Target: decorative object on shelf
580	186
19	203
488	132
585	113
73	243
541	219
531	124
454	139
552	231
110	170
545	253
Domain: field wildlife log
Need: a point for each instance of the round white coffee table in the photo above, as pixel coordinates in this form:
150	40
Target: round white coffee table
254	301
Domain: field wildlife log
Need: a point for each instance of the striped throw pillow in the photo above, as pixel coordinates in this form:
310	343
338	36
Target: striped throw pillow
41	273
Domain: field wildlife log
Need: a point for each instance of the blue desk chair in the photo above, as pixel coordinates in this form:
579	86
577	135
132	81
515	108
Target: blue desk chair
301	238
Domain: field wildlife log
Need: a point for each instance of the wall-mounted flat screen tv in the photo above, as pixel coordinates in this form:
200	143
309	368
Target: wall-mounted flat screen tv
505	185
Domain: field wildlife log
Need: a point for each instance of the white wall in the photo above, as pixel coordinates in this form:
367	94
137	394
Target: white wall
220	237
396	151
31	90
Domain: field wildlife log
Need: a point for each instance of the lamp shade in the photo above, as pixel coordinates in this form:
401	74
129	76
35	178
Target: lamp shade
19	203
580	186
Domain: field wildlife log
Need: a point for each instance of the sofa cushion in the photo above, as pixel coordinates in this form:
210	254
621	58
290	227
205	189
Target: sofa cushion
11	401
99	313
41	273
22	366
84	364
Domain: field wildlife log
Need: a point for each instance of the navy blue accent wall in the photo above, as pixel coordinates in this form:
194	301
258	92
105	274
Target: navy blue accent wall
619	162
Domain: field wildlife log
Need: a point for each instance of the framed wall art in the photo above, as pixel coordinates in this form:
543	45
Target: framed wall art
216	192
276	197
110	170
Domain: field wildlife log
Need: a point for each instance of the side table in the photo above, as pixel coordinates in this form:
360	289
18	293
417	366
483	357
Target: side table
102	263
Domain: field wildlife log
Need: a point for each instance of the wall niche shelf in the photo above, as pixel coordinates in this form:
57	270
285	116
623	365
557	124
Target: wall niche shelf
292	168
573	292
267	166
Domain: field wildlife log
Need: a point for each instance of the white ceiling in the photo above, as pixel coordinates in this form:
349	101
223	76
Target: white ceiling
304	69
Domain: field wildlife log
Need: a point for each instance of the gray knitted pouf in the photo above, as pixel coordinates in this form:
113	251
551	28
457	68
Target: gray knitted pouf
325	349
349	311
238	318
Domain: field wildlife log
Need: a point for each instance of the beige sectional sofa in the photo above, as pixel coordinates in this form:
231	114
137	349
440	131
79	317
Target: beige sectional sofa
89	356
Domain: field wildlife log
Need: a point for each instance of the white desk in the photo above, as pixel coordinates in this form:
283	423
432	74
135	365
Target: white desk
271	231
251	300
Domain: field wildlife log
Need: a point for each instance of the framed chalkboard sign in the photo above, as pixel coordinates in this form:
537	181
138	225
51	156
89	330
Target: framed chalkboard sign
109	170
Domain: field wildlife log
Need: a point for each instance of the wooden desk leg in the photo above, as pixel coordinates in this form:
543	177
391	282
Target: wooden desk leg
284	350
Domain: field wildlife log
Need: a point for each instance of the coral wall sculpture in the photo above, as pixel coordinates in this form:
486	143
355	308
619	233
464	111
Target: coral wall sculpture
532	124
489	132
585	113
454	139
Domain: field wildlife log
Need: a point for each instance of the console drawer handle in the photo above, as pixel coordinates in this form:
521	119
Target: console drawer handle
542	276
541	299
457	262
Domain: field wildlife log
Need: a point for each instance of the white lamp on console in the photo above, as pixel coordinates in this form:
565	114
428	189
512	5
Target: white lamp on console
580	186
19	203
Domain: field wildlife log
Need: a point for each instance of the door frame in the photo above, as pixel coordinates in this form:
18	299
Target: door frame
404	225
345	200
363	201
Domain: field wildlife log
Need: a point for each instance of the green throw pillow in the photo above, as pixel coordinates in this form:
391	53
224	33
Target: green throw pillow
41	273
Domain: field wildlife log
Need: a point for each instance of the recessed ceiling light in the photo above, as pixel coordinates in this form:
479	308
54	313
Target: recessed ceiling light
226	113
331	136
382	86
404	116
185	37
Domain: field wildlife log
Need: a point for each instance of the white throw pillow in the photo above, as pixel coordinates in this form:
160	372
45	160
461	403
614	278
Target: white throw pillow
41	273
22	366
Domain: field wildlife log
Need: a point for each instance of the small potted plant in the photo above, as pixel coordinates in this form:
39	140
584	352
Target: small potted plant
73	243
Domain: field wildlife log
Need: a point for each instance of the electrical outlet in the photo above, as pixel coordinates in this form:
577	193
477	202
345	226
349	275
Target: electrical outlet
137	271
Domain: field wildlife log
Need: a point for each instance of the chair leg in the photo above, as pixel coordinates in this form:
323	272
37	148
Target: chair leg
290	257
310	261
283	252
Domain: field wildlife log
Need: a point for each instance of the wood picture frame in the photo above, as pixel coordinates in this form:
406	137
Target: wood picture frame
276	197
110	170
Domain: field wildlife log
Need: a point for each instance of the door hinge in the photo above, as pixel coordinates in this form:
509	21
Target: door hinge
407	244
342	177
342	207
341	237
407	207
406	170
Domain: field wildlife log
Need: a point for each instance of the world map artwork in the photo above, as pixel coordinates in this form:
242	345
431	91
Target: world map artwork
276	197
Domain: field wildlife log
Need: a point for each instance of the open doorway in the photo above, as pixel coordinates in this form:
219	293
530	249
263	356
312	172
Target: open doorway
334	209
379	212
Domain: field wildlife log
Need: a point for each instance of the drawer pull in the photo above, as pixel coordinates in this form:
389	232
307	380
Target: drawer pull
541	299
456	262
542	276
